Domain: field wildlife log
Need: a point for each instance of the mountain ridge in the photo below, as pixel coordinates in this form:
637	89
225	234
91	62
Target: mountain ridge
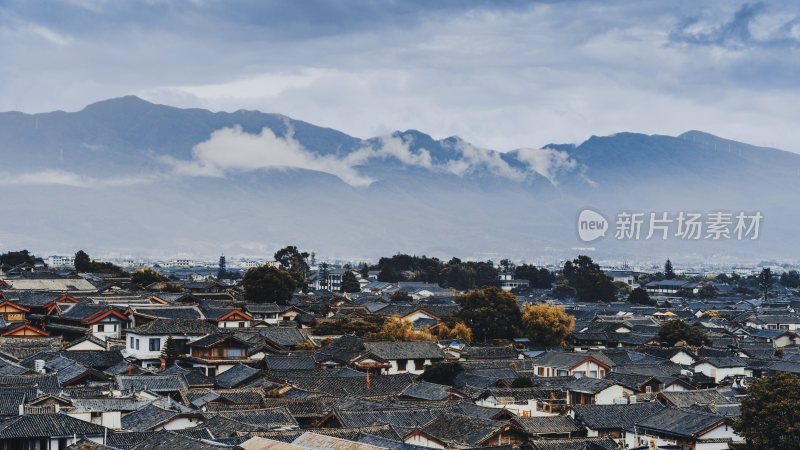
343	195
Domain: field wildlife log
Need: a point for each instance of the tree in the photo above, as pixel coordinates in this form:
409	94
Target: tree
507	265
17	258
170	351
538	278
522	382
265	284
350	282
364	270
562	292
640	296
770	413
221	271
790	279
293	261
399	329
82	262
442	372
359	327
106	267
765	281
547	324
401	297
707	291
458	331
677	330
590	283
490	314
147	276
669	273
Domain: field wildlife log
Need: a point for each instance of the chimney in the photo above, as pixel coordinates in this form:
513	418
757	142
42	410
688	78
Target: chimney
163	363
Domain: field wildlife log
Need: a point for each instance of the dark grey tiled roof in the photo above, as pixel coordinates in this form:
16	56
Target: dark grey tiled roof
47	425
680	422
147	417
236	376
685	399
462	430
587	443
176	327
548	425
154	383
426	391
614	417
405	349
291	363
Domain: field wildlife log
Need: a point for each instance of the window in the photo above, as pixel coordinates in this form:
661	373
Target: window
212	371
132	346
418	364
155	344
401	364
241	324
541	371
234	353
137	344
101	328
592	374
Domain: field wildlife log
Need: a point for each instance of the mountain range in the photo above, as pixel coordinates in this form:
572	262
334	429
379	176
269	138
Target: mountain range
128	177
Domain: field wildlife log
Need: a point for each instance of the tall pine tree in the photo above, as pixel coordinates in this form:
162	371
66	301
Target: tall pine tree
170	351
669	273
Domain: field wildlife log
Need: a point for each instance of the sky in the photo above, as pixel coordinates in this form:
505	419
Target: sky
500	74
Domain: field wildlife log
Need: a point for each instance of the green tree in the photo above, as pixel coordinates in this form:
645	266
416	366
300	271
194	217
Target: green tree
82	262
358	327
222	269
169	353
107	268
147	276
563	291
17	258
490	314
677	330
770	413
765	281
295	262
350	282
442	372
590	283
669	273
640	296
401	297
522	382
707	291
547	324
538	278
266	284
790	279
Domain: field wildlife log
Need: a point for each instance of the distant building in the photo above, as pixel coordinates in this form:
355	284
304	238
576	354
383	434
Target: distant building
60	261
508	282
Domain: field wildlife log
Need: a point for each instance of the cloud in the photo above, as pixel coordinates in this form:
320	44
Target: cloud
547	162
55	177
743	30
232	150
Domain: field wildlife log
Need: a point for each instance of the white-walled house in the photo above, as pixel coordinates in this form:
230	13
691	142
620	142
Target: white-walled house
720	368
685	429
405	356
596	391
146	341
562	364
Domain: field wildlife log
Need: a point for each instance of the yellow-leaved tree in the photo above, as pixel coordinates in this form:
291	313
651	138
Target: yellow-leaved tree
546	324
459	331
399	329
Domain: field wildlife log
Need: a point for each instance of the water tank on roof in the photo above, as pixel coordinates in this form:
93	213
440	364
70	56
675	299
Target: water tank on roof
39	365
